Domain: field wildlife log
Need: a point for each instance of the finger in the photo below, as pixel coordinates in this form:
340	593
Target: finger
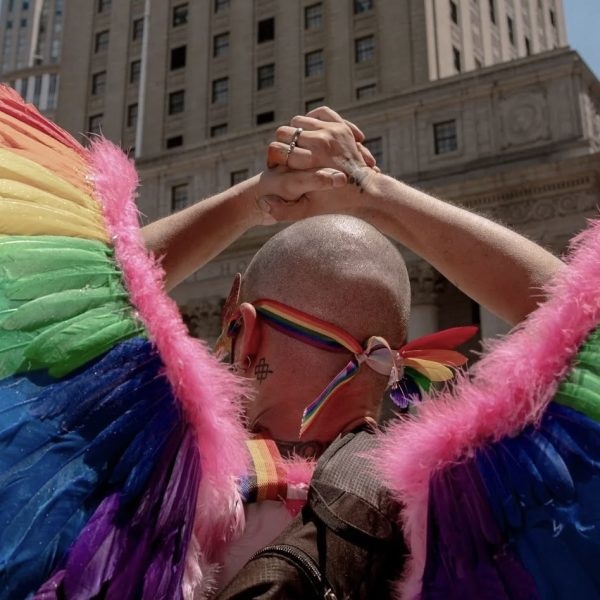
359	136
367	156
278	154
376	169
297	183
277	209
308	123
286	134
324	113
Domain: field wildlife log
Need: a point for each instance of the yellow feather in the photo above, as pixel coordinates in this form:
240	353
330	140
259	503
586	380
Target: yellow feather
15	190
432	370
17	168
24	218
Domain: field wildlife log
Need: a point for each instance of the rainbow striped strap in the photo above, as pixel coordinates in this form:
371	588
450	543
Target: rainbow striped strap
376	353
267	479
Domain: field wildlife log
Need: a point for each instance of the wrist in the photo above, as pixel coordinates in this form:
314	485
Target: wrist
245	197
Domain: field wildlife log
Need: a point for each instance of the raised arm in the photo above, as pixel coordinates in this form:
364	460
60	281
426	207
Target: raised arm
494	265
189	239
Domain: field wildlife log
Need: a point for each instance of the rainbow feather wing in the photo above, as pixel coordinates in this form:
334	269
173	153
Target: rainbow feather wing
500	478
107	443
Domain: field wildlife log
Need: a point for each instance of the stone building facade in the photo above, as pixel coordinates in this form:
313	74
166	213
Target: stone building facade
477	101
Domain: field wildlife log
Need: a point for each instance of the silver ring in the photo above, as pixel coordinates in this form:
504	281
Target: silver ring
293	143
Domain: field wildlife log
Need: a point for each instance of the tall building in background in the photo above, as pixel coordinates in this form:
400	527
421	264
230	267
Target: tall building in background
30	47
478	101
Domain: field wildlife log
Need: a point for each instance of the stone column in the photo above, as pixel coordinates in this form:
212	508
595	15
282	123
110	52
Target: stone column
426	283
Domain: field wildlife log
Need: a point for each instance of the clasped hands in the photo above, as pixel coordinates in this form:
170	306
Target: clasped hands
316	171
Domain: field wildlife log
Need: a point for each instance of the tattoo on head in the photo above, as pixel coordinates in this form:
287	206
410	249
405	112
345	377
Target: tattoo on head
262	370
311	449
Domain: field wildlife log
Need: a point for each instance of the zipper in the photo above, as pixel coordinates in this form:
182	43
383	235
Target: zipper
305	563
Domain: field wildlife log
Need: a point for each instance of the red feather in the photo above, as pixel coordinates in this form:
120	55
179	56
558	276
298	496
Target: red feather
446	339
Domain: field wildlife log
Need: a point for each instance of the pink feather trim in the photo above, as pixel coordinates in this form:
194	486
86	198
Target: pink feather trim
204	387
510	387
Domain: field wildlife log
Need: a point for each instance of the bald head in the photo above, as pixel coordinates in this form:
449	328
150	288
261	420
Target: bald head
339	269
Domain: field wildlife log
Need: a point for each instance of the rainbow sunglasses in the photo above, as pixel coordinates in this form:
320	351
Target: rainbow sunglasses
411	369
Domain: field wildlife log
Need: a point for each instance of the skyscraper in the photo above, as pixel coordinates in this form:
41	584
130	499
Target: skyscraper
31	39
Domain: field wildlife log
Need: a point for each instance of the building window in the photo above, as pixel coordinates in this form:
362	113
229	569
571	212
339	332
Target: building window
265	117
180	15
52	88
493	11
552	18
221	44
456	57
236	177
220	90
95	124
98	83
25	5
366	91
314	63
221	5
361	6
176	102
313	16
266	30
132	115
23	23
137	31
527	46
444	136
103	5
364	49
9	25
101	43
178	57
511	30
179	196
454	12
174	141
37	90
135	69
312	104
265	77
217	130
375	146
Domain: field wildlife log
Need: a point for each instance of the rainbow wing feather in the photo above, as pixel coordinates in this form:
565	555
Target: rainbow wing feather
110	415
500	478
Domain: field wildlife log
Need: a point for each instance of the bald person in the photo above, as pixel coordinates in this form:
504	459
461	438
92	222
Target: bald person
342	271
332	268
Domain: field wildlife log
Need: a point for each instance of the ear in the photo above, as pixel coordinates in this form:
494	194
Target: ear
248	341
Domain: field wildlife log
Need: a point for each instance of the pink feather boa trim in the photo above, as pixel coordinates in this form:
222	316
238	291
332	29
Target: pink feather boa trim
509	388
203	387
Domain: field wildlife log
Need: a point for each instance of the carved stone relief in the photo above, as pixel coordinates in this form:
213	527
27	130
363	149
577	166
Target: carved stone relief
524	118
425	283
543	209
203	318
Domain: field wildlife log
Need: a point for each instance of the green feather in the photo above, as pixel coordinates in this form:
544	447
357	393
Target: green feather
93	346
580	398
53	241
16	263
418	378
76	277
12	347
60	306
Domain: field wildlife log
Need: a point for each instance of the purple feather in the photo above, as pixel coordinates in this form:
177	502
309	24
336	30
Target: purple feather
141	554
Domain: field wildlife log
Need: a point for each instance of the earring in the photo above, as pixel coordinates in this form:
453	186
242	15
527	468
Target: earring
242	368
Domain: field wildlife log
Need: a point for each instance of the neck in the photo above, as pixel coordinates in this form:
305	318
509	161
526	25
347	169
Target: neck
307	450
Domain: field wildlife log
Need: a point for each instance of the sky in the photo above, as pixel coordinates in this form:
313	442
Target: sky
583	30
